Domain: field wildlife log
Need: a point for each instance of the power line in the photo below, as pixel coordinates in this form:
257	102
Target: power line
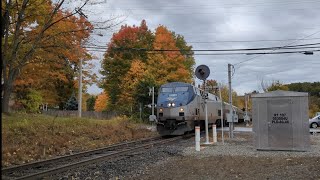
226	41
235	41
225	54
259	55
211	6
216	13
299	46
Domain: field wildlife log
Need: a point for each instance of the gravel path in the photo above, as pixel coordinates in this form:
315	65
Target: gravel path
242	145
132	166
236	159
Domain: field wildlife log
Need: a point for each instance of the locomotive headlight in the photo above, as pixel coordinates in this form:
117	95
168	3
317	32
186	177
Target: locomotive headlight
181	109
171	104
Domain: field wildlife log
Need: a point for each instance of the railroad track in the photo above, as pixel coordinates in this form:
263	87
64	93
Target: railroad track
56	165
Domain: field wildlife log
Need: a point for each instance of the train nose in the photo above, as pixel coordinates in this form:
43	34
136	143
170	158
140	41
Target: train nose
171	124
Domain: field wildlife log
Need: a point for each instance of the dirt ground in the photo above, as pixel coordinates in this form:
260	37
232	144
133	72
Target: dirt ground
236	167
261	165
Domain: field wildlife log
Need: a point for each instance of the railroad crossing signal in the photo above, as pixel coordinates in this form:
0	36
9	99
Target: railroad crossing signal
202	72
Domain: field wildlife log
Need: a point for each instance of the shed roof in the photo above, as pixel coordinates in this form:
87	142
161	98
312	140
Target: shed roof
280	93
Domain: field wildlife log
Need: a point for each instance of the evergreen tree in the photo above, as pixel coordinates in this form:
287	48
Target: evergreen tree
72	103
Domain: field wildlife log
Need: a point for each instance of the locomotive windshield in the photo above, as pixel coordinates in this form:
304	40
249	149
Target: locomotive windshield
181	89
176	89
167	90
177	93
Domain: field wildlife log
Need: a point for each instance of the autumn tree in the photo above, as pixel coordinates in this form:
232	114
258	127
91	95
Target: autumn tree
224	93
34	29
101	102
186	51
118	57
135	74
133	64
167	66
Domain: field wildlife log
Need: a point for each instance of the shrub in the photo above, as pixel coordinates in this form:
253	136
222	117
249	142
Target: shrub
32	101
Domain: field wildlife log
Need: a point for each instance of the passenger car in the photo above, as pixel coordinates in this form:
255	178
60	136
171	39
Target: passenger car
314	122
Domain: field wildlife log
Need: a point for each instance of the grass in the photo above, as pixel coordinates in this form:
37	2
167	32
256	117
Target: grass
32	137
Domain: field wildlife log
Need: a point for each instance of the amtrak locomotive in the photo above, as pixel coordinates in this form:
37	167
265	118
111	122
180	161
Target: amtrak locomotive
180	107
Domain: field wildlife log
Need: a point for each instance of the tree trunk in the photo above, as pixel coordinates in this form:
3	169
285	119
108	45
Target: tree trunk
7	90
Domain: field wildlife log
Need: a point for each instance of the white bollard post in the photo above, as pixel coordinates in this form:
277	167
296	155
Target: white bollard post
197	138
214	133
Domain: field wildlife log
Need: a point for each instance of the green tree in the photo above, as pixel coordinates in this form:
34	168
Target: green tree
314	94
276	85
90	103
141	95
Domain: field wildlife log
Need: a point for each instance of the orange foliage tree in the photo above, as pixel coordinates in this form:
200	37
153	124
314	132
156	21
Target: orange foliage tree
130	67
101	102
135	74
167	66
41	49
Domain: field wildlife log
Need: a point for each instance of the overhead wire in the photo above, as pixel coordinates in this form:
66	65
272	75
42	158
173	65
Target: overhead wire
287	45
224	41
225	54
211	6
298	46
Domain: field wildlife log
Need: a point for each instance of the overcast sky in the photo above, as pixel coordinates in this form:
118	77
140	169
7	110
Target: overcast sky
229	24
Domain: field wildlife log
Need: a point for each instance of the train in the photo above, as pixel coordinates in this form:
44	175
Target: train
181	107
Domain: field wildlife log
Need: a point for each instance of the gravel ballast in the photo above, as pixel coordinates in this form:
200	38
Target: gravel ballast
236	159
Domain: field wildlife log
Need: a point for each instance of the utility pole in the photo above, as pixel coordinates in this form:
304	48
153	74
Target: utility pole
152	117
80	89
152	101
151	93
230	103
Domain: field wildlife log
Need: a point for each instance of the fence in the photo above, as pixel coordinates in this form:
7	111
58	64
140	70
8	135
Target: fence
85	114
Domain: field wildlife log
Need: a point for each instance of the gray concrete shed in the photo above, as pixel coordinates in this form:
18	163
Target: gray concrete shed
280	121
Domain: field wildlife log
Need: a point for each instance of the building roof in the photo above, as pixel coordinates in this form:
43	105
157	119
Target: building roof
280	93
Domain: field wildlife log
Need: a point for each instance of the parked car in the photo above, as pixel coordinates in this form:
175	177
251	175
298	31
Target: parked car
314	122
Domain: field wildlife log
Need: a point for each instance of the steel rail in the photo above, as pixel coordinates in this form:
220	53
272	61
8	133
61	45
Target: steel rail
75	155
99	158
